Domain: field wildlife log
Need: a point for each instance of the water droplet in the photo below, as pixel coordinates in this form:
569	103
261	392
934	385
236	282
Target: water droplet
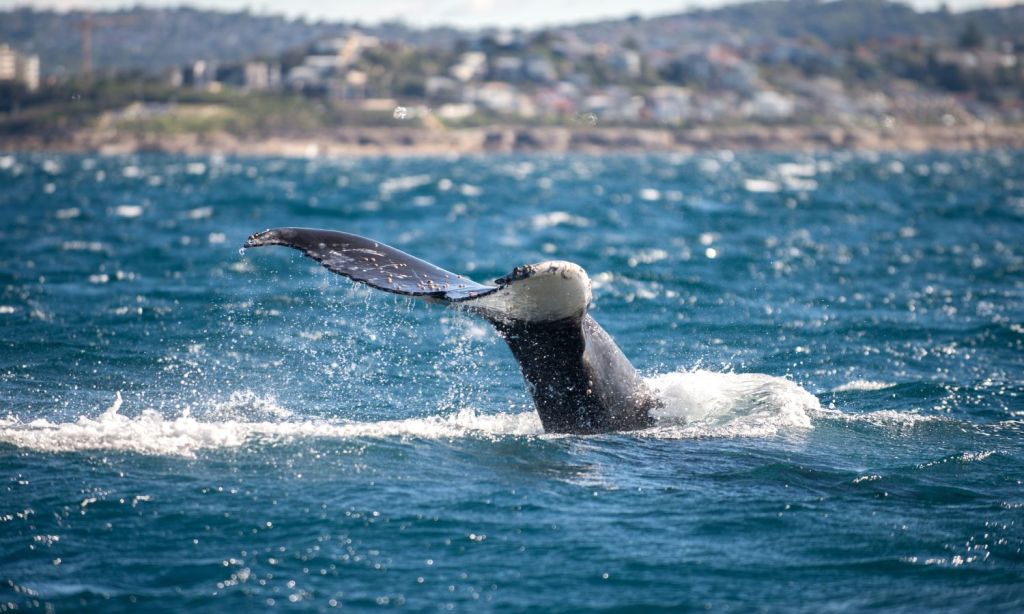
241	251
400	113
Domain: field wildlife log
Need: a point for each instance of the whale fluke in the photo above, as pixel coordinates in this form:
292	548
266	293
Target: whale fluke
579	379
373	263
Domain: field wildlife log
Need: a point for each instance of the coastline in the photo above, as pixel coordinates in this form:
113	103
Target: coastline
401	141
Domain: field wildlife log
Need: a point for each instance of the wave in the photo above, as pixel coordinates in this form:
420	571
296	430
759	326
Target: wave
223	428
712	404
862	385
887	418
696	404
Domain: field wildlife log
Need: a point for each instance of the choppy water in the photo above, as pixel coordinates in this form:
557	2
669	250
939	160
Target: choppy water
838	340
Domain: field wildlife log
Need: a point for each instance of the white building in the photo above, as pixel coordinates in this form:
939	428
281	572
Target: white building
19	67
442	88
671	104
262	76
502	98
8	63
471	66
767	104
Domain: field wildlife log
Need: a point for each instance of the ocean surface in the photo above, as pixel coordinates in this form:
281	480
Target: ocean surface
838	341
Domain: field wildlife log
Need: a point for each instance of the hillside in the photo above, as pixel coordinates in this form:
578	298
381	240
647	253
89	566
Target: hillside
151	39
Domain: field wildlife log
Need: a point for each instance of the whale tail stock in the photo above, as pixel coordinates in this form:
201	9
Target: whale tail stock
579	379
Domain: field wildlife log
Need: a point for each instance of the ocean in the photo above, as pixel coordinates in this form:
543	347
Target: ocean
837	340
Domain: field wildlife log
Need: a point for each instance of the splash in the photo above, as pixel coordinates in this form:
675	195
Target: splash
230	425
696	404
711	404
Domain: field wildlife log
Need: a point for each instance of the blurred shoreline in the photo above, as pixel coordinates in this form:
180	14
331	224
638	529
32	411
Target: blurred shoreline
398	141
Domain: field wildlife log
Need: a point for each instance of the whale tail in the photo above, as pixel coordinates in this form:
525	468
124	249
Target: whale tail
579	379
373	263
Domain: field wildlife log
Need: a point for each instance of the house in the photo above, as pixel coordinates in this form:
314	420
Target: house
670	104
472	66
19	67
502	98
768	104
261	76
540	69
625	63
507	68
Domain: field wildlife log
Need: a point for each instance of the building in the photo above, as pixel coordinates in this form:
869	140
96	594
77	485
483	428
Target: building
260	76
767	104
470	67
201	74
507	68
8	63
346	50
540	69
625	63
670	104
19	67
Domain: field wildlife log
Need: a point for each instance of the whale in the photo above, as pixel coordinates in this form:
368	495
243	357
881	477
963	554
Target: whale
579	379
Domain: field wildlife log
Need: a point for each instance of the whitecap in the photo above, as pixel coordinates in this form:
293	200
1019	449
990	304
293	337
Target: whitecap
760	186
541	221
647	256
650	194
796	169
403	184
200	213
862	385
52	167
885	418
801	184
128	211
82	246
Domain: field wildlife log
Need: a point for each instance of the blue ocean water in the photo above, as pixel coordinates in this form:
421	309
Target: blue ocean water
838	340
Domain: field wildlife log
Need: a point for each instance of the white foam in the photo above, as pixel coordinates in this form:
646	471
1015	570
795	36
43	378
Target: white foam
150	432
760	186
696	404
862	385
128	211
403	184
541	221
710	404
885	418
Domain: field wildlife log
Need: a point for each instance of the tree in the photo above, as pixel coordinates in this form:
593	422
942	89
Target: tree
971	37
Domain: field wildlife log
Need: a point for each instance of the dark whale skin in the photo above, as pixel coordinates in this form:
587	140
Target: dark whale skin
579	379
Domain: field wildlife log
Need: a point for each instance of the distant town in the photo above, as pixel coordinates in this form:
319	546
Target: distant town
868	66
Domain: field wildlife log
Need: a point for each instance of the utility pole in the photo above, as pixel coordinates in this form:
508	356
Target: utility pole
86	27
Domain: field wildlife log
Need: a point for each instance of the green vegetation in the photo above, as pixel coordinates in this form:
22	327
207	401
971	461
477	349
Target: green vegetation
771	62
145	106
